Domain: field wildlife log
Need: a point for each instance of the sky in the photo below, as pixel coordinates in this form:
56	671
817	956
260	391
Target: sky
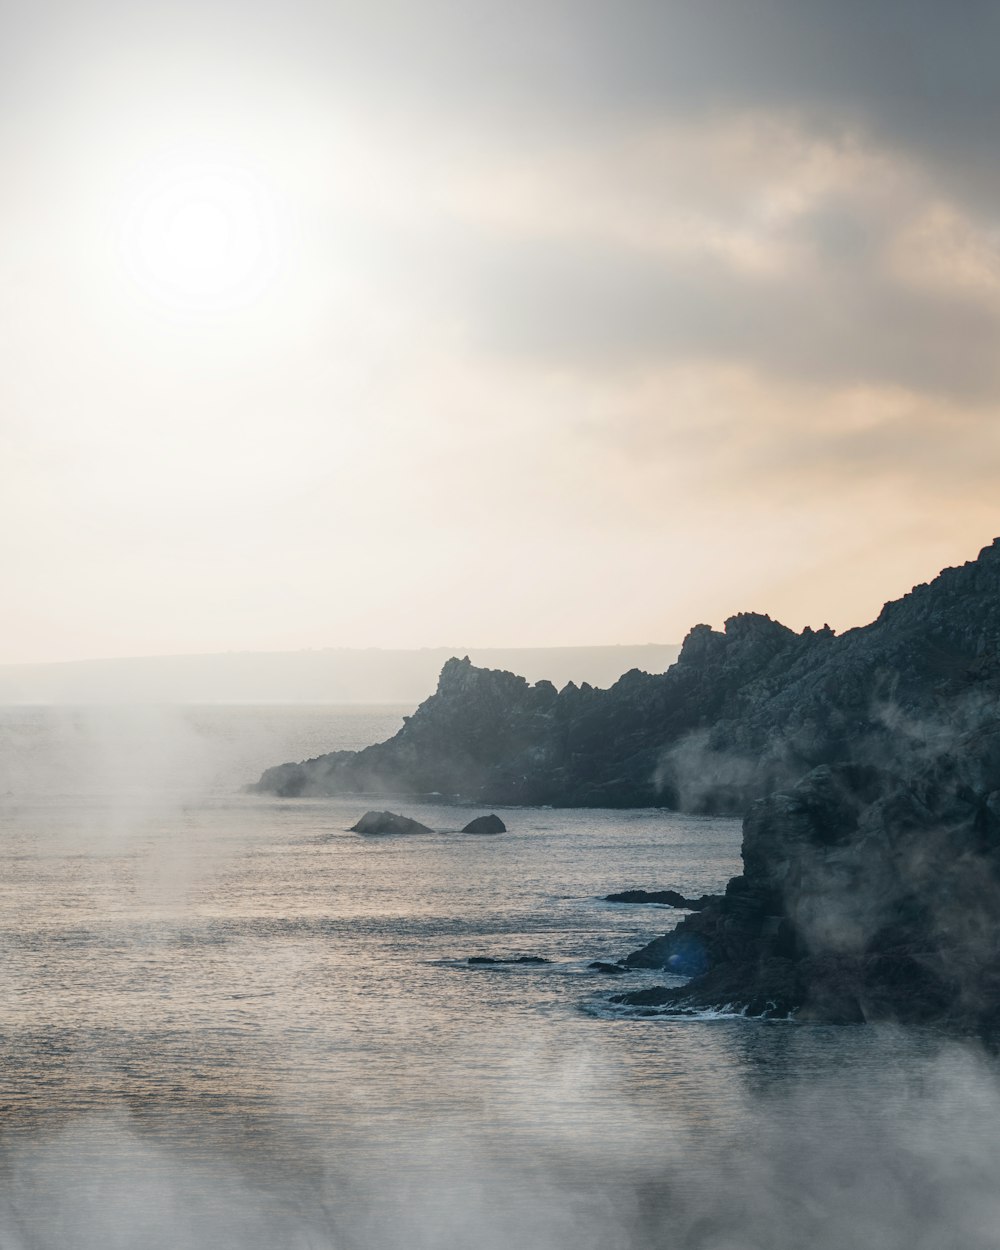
412	323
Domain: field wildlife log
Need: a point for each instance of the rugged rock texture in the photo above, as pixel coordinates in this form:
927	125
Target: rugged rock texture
870	764
486	824
866	895
871	888
742	714
388	822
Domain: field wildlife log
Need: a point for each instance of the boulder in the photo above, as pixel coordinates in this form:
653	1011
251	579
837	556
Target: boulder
486	824
388	822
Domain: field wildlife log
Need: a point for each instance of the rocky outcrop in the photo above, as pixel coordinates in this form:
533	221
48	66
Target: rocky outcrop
486	825
866	895
664	898
388	822
868	766
871	885
743	713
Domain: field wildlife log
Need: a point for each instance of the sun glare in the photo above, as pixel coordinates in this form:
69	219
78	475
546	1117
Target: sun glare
201	237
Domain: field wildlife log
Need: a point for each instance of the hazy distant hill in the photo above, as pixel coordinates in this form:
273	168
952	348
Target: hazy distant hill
339	675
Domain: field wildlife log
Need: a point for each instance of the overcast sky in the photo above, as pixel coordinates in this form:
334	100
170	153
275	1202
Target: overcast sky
434	322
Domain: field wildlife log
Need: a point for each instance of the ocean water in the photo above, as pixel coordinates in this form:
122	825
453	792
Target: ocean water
228	1021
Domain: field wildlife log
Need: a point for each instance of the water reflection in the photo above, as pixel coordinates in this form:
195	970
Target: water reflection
232	1023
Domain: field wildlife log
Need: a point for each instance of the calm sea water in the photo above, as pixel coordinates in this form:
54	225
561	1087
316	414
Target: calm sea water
226	1020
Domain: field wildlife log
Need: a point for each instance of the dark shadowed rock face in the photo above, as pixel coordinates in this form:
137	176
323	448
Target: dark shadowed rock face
868	767
744	712
867	895
486	824
388	822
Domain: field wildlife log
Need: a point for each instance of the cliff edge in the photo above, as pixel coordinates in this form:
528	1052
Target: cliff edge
743	713
868	766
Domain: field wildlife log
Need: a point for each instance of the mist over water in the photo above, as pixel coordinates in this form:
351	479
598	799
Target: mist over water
227	1021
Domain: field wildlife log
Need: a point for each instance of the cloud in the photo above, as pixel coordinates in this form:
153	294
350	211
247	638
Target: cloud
570	294
745	240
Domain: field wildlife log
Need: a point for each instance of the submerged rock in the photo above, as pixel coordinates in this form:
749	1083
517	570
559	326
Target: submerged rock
388	822
486	824
485	960
667	898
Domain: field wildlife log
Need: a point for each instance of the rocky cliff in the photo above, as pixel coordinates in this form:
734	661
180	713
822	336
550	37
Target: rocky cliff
868	766
871	886
743	713
866	895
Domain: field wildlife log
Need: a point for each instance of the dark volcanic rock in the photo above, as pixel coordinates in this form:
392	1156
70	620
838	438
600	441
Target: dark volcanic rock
668	898
867	895
388	822
486	824
743	713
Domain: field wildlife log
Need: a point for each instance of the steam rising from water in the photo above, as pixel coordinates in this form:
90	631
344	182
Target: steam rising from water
230	1024
824	1165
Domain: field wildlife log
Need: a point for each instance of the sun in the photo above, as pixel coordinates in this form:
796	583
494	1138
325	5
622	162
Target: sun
201	236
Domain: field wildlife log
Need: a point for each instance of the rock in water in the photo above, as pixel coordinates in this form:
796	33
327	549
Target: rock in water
482	961
486	824
666	898
388	822
867	895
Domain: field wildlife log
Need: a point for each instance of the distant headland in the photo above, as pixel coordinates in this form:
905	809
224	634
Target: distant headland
742	713
330	675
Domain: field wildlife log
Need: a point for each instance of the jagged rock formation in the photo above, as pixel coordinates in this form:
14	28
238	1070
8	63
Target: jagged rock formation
871	888
870	764
866	895
743	713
